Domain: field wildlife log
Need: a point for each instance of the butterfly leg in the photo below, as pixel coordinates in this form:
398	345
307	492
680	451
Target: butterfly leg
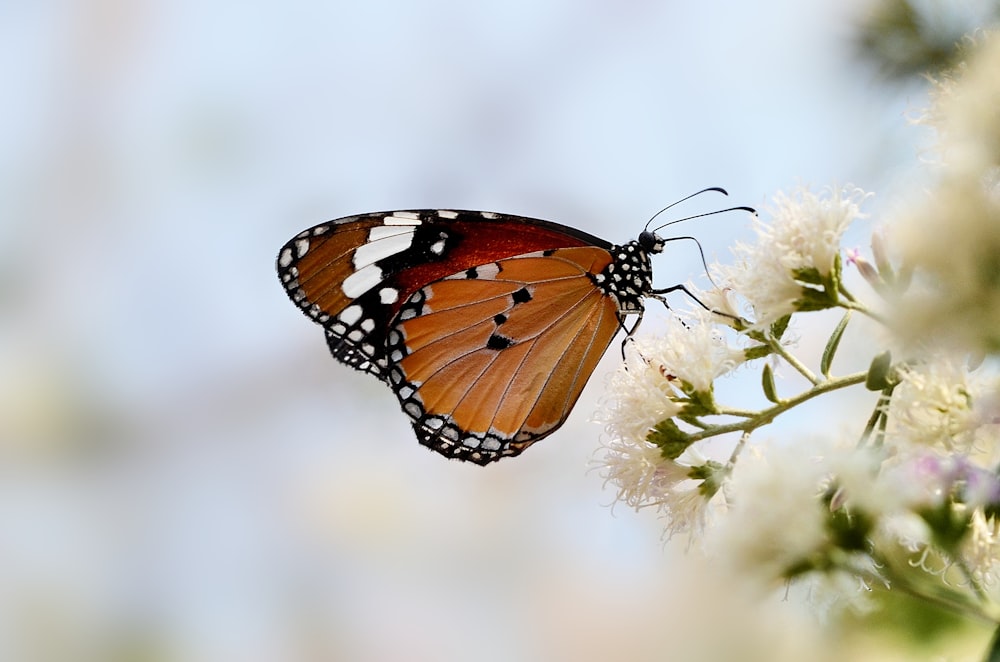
681	288
629	332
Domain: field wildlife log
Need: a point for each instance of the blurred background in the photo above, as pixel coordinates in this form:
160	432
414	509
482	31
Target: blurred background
185	473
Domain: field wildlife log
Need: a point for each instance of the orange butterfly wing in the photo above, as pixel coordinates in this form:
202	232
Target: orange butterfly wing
489	362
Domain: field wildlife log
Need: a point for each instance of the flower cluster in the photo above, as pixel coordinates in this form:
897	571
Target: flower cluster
905	495
957	300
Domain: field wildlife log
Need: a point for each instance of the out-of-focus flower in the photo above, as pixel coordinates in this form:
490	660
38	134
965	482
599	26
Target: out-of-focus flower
936	405
950	237
964	108
794	263
865	268
777	525
981	548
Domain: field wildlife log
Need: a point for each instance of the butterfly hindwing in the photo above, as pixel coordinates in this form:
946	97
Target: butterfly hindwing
488	361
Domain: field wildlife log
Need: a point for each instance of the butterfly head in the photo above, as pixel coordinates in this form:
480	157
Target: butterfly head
651	242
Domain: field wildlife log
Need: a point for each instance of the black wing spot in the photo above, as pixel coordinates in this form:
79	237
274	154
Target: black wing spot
521	296
472	273
497	341
499	319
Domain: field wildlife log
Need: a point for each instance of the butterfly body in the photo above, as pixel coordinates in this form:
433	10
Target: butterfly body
485	326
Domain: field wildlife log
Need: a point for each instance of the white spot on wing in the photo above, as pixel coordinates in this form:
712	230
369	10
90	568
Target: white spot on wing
384	231
361	281
438	247
402	218
350	315
286	257
301	246
373	251
447	213
488	271
488	214
388	295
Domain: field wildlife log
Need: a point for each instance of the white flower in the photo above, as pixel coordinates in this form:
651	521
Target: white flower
650	385
803	237
935	405
981	548
964	109
719	300
644	478
838	590
639	397
692	351
952	243
862	483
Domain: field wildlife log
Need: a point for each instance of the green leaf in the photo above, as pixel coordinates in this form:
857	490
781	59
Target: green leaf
810	276
948	525
811	299
700	403
671	439
832	282
712	475
767	383
832	344
704	471
849	529
757	352
881	374
779	326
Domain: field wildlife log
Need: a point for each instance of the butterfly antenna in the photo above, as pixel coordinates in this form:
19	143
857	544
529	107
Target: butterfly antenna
708	213
716	189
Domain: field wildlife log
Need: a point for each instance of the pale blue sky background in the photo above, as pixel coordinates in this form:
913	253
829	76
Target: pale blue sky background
181	463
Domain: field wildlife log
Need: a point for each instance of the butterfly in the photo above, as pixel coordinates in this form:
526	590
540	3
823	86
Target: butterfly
486	326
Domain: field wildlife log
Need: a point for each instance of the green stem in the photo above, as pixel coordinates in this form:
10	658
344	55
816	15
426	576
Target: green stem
977	587
879	419
936	594
765	416
792	361
864	310
741	413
